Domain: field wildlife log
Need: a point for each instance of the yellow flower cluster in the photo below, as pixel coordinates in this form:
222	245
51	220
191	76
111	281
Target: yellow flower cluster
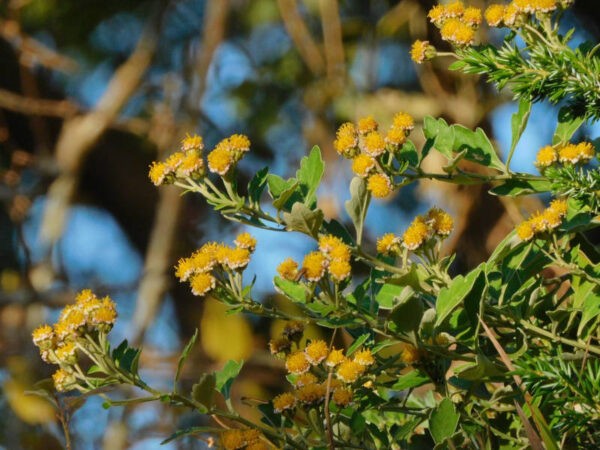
366	146
422	51
182	164
248	439
540	222
513	14
309	389
59	343
456	22
569	153
435	223
201	268
227	153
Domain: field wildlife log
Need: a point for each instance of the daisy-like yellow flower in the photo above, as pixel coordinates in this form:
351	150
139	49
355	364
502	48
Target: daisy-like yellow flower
379	185
416	234
388	244
104	316
538	223
395	137
346	142
202	284
245	240
494	15
441	221
534	6
305	378
455	9
335	358
586	151
288	269
552	218
419	51
233	439
560	206
184	269
511	15
174	161
339	269
437	15
403	121
410	354
284	402
193	142
43	337
472	16
363	165
221	254
364	357
158	173
221	159
457	32
367	125
311	393
191	165
373	144
63	380
546	156
297	363
70	322
202	261
316	351
239	143
569	153
334	247
342	396
66	353
238	258
314	266
350	371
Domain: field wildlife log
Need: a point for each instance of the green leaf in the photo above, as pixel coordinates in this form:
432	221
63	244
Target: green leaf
387	295
225	377
287	197
567	126
358	204
301	218
126	358
296	292
443	421
518	124
185	353
406	316
515	187
408	152
357	343
481	369
412	379
278	185
452	296
478	147
204	390
257	184
309	176
191	431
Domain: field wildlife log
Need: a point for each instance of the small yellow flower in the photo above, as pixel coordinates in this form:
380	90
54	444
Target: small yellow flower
349	371
220	160
238	258
233	439
191	165
283	402
297	363
379	185
184	269
342	396
494	15
193	142
457	32
66	353
157	173
245	240
472	16
316	351
403	121
305	378
314	266
346	141
202	261
437	15
334	247
416	234
396	137
373	144
311	393
239	143
105	314
511	15
335	358
534	6
410	354
418	51
288	269
569	153
388	244
363	165
252	436
552	218
364	357
63	380
441	222
586	151
559	205
202	283
367	125
538	223
84	297
546	157
221	254
455	9
43	337
339	269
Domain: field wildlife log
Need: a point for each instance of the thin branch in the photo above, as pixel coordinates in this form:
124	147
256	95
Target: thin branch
36	106
332	38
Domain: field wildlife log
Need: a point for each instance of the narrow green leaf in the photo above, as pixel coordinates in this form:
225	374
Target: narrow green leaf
357	343
225	377
191	431
358	204
443	421
185	353
309	176
257	184
514	187
301	218
518	124
412	379
452	296
567	126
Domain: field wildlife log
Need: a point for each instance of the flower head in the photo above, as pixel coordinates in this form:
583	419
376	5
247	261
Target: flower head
193	142
410	354
511	15
202	283
316	351
66	353
457	32
63	380
158	173
342	396
283	402
525	231
559	205
379	185
334	247
43	337
288	269
314	266
364	357
233	439
221	159
441	222
237	258
339	269
245	240
239	143
546	157
388	244
416	234
455	9
418	51
472	16
192	165
346	142
311	393
367	125
335	358
349	371
373	144
396	137
363	165
403	121
297	363
305	378
494	15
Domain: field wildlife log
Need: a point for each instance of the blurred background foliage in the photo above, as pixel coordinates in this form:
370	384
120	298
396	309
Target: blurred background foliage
92	91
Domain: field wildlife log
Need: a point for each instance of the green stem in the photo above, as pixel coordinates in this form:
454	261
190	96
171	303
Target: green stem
555	338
